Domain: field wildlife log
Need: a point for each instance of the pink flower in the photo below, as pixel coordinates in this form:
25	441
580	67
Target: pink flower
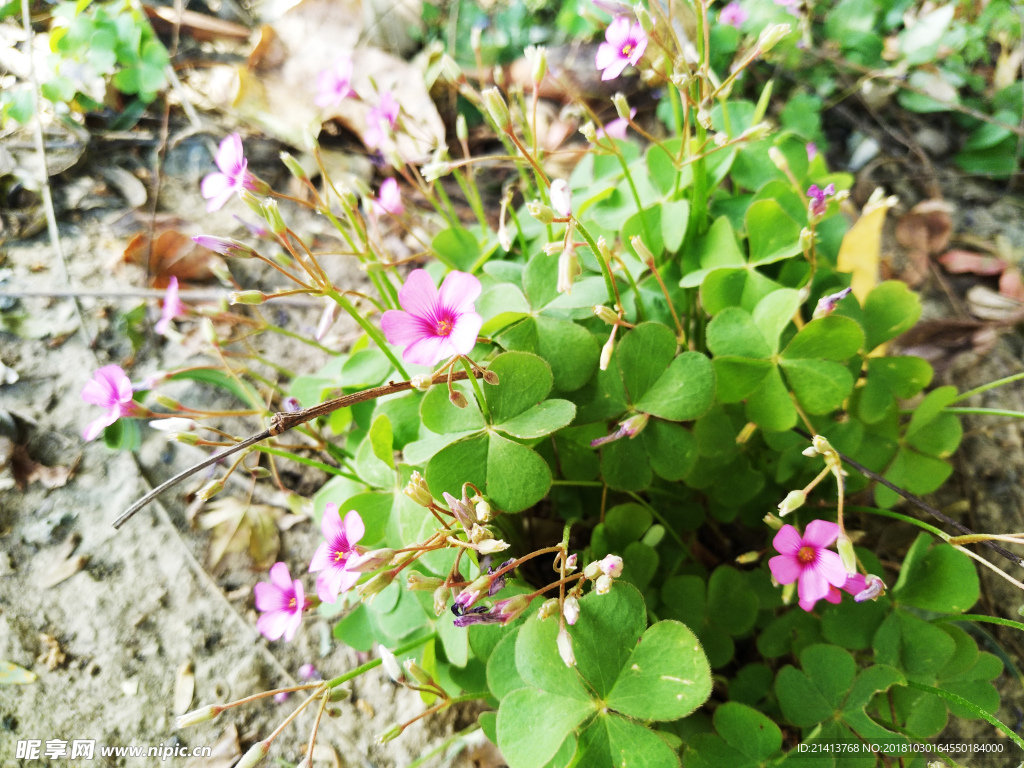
819	198
234	176
812	151
389	199
616	129
624	45
334	84
808	560
435	324
332	555
733	14
173	307
281	601
381	120
109	389
853	586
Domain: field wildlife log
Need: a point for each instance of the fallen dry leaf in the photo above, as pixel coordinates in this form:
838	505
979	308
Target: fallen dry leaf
64	571
184	687
861	248
238	526
939	341
52	655
174	254
986	304
224	753
27	470
924	230
199	26
960	262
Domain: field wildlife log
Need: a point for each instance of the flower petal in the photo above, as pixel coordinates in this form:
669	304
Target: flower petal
428	350
830	566
855	584
813	585
787	541
785	568
458	292
280	577
272	625
321	558
617	32
329	583
615	69
821	533
464	333
96	426
808	605
402	328
330	524
268	597
834	596
353	528
292	626
606	55
419	296
230	157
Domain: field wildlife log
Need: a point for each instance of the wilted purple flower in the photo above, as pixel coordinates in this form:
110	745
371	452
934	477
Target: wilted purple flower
819	198
624	44
630	428
503	612
873	588
733	14
462	511
498	584
327	318
828	303
225	246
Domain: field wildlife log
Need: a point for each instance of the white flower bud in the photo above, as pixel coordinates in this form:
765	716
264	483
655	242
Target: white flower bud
793	501
571	609
564	643
390	664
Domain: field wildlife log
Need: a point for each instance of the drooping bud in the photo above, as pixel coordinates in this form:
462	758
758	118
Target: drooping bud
621	106
634	425
186	438
458	399
475	35
826	304
845	548
210	490
568	270
462	511
771	36
247	297
255	754
561	197
564	643
607	314
294	167
540	212
606	351
570	563
611	565
589	131
390	664
748	557
422	381
793	501
547	609
441	599
497	108
419	582
592	570
368	562
510	608
776	156
483	511
788	591
417	490
773	522
704	118
203	715
537	56
375	586
603	585
225	246
418	673
490	377
490	546
272	215
451	70
641	249
571	609
756	132
339	693
461	129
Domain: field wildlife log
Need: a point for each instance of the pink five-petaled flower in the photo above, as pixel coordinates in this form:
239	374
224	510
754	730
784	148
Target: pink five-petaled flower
234	176
381	120
173	307
435	324
334	84
808	560
733	14
389	199
109	389
332	556
625	44
819	198
281	601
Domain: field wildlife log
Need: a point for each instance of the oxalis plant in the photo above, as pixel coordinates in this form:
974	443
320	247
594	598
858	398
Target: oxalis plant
556	442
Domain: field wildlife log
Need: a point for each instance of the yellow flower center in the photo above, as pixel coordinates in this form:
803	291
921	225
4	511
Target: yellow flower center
339	556
806	555
627	49
444	327
291	603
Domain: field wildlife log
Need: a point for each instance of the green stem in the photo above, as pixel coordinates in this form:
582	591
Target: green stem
308	462
979	617
335	682
902	518
476	388
473	200
987	412
519	230
972	707
677	116
605	268
371	330
660	518
990	385
449	211
636	195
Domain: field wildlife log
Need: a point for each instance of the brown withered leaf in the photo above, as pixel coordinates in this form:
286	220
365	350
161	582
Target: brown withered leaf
240	526
988	305
960	262
939	341
199	26
926	227
27	470
174	254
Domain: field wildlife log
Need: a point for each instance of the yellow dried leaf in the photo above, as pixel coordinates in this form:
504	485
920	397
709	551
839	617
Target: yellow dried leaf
861	250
